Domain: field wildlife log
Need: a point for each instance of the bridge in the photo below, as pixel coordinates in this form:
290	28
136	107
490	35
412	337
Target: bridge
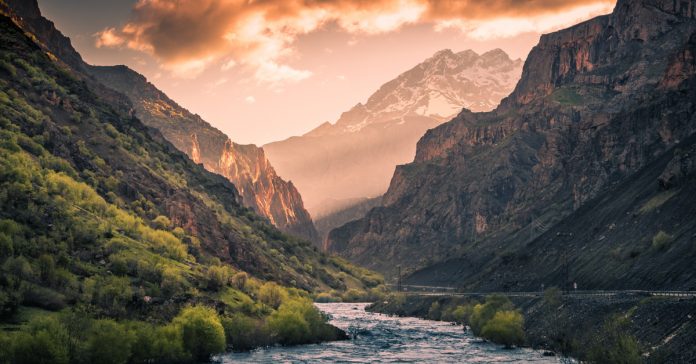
451	291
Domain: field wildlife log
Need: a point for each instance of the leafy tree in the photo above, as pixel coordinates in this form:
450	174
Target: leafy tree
108	342
484	312
245	333
505	328
202	332
45	341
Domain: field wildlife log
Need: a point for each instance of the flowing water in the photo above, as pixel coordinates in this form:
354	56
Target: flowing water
380	338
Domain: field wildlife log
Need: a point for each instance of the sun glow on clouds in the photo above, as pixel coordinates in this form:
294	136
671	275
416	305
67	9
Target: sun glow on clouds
188	36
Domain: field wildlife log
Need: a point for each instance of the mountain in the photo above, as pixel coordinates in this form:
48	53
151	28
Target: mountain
244	165
355	157
602	110
106	227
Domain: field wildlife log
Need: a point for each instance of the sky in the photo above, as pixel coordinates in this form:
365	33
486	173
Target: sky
265	70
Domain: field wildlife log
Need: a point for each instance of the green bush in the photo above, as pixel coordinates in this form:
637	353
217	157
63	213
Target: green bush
434	312
202	332
245	333
482	313
44	341
662	240
462	313
297	321
614	345
272	294
505	328
108	342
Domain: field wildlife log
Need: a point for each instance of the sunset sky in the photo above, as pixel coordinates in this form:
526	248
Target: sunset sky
265	70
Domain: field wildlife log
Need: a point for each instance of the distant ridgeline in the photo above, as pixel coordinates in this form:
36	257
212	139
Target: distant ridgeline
591	158
107	231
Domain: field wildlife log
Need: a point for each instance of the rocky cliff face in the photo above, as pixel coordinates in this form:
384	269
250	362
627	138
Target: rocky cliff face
244	165
596	104
354	158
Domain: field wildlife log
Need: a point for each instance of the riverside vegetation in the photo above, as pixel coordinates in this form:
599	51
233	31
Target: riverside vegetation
116	248
621	329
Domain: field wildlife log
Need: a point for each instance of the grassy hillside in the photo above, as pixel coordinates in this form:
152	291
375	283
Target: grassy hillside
105	226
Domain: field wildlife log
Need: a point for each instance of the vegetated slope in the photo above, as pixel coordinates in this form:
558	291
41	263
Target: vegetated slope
101	212
596	104
245	165
354	158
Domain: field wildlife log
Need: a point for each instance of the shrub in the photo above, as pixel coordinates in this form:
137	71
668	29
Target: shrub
505	328
434	313
218	276
661	240
482	313
354	295
239	281
614	344
43	342
272	295
462	313
108	342
202	332
245	333
162	222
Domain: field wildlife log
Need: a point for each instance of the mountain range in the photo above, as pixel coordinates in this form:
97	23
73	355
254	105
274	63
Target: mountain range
336	165
586	168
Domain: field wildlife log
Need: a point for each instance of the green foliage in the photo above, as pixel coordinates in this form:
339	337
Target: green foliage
297	321
484	312
435	312
202	332
43	342
614	345
108	342
162	222
272	294
662	240
218	276
462	313
506	328
245	333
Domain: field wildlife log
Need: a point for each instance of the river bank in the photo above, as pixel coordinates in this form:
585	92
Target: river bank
377	338
664	329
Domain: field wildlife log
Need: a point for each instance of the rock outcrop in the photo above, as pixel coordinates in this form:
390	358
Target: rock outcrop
596	104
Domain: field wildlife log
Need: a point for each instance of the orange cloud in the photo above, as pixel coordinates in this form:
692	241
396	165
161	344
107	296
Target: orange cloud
189	35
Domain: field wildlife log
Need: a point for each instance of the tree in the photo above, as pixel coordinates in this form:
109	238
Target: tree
506	328
108	342
482	313
202	332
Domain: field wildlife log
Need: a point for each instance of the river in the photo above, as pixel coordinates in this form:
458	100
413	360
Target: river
384	339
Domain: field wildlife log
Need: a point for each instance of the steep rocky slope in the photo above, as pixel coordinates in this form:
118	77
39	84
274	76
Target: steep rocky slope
84	179
244	165
597	105
355	157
